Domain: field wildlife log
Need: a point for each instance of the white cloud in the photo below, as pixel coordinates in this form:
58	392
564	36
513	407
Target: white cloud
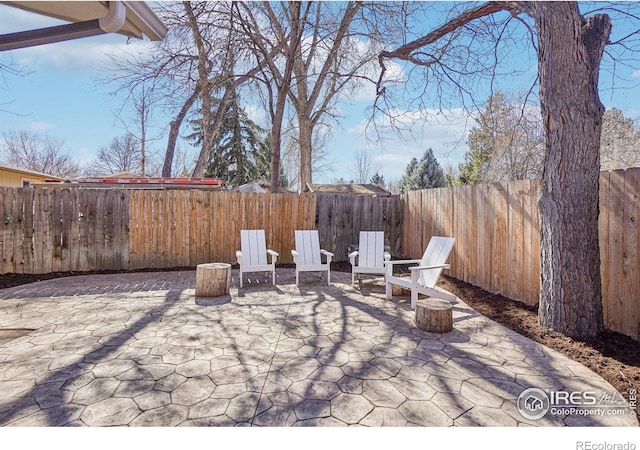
86	54
445	132
84	156
41	126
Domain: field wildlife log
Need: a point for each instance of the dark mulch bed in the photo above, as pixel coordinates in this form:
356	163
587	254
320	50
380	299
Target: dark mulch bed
613	356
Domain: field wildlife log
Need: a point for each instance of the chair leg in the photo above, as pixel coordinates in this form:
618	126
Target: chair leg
297	278
274	276
387	290
328	277
353	279
241	279
414	298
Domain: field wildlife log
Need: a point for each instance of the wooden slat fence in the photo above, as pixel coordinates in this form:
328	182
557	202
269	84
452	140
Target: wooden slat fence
340	218
497	233
61	230
178	228
619	253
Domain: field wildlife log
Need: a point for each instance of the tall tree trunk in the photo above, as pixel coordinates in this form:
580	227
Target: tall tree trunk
276	141
283	90
206	87
174	129
143	139
305	132
570	51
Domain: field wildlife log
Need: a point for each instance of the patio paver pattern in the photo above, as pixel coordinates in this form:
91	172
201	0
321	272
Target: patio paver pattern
141	350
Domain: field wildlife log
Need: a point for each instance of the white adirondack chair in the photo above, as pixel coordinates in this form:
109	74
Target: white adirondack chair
253	254
370	254
425	276
308	255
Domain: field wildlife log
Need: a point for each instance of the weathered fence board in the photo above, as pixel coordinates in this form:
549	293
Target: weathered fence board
62	230
340	218
187	228
497	235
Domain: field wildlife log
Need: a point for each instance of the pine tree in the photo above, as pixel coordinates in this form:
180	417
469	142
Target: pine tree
378	180
240	152
481	142
423	174
477	158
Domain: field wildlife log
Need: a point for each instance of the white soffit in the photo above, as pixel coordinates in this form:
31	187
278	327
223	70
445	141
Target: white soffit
140	19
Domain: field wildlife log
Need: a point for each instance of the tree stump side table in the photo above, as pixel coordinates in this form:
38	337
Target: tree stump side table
434	315
212	279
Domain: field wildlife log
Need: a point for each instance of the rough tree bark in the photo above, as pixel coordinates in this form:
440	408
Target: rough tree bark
206	86
306	98
295	36
570	51
174	129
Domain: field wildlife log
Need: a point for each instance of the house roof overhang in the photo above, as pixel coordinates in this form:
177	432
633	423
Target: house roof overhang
30	173
87	18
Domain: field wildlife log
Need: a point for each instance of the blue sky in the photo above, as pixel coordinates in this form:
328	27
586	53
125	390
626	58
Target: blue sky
61	95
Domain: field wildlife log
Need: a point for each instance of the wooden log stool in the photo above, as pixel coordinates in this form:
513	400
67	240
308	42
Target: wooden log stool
434	315
212	279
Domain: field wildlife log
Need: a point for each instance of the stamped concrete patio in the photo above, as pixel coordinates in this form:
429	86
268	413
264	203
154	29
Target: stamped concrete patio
139	349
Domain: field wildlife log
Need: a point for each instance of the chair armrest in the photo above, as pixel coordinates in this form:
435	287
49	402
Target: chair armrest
402	261
239	256
274	255
329	255
295	255
438	266
387	256
352	257
389	264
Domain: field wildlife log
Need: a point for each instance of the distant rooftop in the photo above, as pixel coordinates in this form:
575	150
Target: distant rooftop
125	180
353	189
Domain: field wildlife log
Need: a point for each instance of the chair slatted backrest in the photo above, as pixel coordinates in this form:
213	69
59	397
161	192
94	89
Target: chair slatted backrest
437	253
371	249
308	246
254	247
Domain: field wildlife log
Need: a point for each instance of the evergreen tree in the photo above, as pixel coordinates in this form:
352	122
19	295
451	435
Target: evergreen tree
481	142
240	152
477	158
423	174
406	182
378	180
